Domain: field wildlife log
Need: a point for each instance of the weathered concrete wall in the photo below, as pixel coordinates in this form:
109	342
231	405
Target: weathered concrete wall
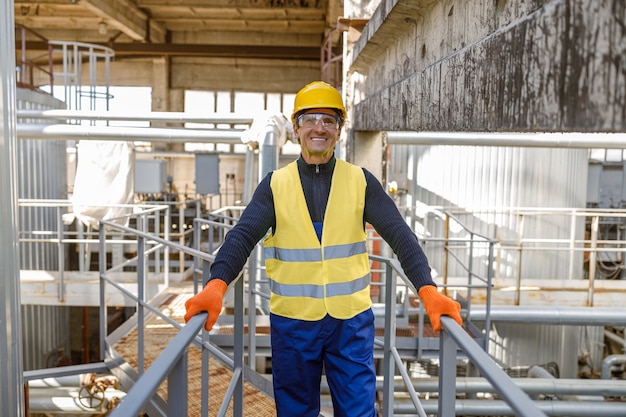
490	65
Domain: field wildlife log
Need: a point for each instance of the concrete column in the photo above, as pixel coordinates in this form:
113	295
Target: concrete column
369	151
11	380
164	98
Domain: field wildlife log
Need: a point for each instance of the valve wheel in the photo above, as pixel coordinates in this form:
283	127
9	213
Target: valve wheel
91	396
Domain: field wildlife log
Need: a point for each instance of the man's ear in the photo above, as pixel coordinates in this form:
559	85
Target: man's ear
296	132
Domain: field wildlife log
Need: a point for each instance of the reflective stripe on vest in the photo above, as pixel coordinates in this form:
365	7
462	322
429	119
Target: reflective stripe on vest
315	255
309	279
317	291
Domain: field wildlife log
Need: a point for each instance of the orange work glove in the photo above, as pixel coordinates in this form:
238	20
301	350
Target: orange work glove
436	304
209	300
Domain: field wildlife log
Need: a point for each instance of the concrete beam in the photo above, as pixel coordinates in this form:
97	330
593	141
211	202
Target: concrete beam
128	18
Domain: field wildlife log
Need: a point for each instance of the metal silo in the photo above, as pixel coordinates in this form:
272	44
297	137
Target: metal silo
42	175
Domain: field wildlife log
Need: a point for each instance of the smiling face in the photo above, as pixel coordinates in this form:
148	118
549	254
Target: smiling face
317	142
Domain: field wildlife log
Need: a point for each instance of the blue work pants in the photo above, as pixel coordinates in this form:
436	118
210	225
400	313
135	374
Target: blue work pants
344	349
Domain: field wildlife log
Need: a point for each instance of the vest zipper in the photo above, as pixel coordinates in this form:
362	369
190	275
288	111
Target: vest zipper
317	169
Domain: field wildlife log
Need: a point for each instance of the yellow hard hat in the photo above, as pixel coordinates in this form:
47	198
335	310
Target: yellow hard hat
318	95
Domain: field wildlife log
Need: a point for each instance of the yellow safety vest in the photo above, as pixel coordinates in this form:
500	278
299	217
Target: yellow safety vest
307	279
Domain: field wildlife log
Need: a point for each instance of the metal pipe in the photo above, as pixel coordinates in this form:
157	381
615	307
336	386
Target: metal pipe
539	372
173	117
69	400
608	362
124	133
474	385
532	140
500	408
596	316
11	364
616	338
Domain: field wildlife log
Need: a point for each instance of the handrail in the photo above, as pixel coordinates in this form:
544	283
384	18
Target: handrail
148	241
171	363
25	67
53	231
453	336
573	235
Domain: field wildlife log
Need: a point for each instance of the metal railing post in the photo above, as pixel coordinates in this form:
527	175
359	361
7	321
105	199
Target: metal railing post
177	388
253	273
141	393
103	309
453	335
446	244
572	245
593	257
196	245
470	268
204	383
61	256
518	277
447	375
166	233
238	348
389	342
490	274
141	295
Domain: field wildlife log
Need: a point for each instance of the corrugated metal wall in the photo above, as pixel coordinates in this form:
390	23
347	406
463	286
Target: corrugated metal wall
493	180
490	179
42	175
521	345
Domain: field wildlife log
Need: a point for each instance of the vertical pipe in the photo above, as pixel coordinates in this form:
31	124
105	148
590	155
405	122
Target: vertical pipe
248	186
11	379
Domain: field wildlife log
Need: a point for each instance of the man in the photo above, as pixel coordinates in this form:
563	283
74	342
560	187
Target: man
318	266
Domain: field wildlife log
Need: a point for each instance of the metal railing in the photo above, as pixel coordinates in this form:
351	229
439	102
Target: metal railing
453	340
49	234
533	245
30	68
171	362
452	337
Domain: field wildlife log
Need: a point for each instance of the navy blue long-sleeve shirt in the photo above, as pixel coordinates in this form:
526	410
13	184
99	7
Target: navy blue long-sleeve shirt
380	211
